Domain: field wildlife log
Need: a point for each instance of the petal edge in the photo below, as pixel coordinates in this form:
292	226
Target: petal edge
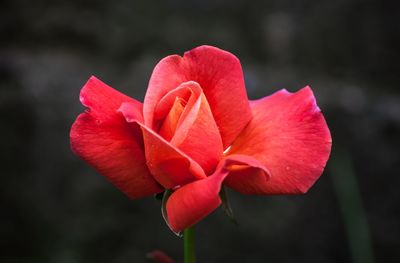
289	135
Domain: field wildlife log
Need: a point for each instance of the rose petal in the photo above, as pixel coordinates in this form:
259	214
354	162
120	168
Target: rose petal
103	138
219	74
168	165
289	135
170	123
192	202
191	129
197	134
251	177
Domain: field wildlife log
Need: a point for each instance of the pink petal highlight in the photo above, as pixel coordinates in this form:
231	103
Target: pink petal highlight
288	135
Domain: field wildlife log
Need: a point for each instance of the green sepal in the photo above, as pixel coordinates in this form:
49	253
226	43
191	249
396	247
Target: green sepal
226	206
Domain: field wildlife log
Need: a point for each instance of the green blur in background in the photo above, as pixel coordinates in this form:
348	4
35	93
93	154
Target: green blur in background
55	208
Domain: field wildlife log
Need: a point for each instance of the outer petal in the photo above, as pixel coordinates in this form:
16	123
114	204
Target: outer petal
103	138
169	166
219	74
192	202
289	135
251	177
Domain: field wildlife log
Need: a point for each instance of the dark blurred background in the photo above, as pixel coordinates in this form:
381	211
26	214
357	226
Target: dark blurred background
55	208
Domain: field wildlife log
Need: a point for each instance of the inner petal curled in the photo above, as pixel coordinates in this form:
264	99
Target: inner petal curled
170	123
183	117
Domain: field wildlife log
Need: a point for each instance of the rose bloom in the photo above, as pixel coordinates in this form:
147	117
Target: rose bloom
197	131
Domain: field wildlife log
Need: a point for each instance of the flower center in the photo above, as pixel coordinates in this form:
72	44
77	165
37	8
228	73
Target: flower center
170	123
173	109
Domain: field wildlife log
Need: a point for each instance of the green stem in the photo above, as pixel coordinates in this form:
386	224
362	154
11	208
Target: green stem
188	245
350	201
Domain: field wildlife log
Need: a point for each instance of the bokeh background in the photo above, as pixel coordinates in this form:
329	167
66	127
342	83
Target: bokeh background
54	208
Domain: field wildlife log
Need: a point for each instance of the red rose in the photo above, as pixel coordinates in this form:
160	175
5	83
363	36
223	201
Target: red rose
197	130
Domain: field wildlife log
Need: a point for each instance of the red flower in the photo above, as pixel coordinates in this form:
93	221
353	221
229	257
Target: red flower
157	256
197	130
